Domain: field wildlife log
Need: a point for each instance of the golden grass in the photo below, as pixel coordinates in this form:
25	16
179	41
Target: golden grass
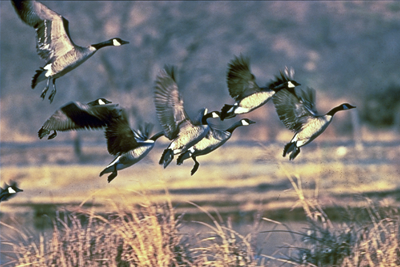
142	235
147	234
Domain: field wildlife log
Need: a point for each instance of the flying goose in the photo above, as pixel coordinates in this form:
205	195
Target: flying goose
297	112
244	89
128	145
54	44
9	191
77	116
213	140
172	116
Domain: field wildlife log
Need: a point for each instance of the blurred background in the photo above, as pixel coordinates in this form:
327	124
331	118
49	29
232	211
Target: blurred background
347	51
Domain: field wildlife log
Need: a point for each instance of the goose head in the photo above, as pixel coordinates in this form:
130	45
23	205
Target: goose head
291	84
246	122
344	106
99	101
13	189
206	115
118	42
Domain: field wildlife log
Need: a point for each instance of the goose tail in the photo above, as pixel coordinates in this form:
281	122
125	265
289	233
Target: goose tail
39	76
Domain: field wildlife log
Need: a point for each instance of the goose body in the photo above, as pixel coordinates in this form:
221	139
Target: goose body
129	145
244	89
213	140
54	44
297	112
9	191
177	126
77	116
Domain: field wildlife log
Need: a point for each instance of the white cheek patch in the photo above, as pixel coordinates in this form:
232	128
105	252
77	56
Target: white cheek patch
116	43
345	107
291	85
11	191
215	115
101	102
245	123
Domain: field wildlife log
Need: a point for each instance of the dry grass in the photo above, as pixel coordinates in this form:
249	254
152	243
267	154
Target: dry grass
137	235
148	235
369	237
142	235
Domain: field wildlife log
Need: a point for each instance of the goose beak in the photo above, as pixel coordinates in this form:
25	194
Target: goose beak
251	122
124	42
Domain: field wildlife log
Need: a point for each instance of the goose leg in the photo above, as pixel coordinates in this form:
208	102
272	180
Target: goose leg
167	157
53	135
43	95
295	152
196	166
113	174
53	92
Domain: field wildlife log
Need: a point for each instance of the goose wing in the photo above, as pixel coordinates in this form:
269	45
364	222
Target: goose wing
76	115
295	109
143	132
52	33
120	137
241	82
169	104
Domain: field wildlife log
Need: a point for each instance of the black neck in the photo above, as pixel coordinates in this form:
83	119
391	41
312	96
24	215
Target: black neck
234	126
157	135
334	110
207	116
103	44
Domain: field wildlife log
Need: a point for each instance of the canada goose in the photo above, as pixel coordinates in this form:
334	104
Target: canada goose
9	191
297	112
244	89
54	44
213	140
172	116
129	145
75	116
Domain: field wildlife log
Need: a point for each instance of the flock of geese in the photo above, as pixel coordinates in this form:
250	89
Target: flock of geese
189	138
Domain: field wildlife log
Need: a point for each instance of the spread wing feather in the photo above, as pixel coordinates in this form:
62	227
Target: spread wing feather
52	33
169	104
241	82
295	109
75	115
120	137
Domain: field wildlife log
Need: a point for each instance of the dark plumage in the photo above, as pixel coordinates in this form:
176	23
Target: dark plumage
213	140
77	116
298	113
9	191
172	116
54	44
244	89
129	145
